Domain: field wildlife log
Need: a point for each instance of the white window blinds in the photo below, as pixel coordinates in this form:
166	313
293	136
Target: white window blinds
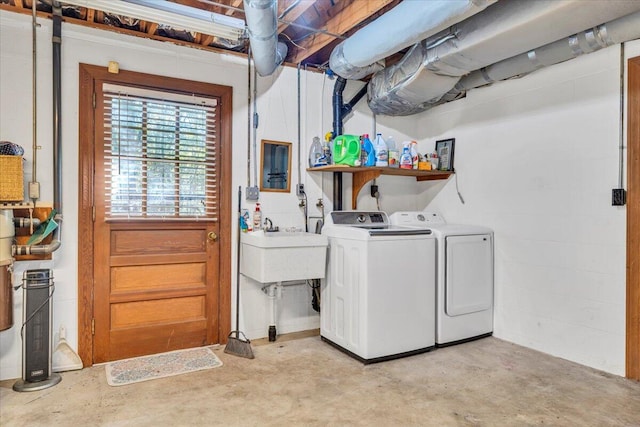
159	155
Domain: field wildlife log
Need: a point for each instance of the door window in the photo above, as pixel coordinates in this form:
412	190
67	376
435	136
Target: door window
160	154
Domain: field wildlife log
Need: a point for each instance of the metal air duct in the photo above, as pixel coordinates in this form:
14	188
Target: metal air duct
262	25
433	67
617	31
404	25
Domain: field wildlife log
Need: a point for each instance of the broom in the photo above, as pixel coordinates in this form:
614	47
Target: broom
236	345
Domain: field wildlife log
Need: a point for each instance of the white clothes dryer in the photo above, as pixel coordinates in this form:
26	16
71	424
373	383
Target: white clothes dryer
378	296
465	281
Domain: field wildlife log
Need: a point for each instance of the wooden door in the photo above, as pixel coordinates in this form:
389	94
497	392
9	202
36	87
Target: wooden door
149	284
154	287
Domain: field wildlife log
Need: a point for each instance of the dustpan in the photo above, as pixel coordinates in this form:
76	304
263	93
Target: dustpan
63	357
44	229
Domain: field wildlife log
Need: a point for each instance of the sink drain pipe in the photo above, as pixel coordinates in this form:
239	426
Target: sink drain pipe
340	111
273	291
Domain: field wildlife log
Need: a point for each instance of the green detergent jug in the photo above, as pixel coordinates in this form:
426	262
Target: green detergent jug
346	150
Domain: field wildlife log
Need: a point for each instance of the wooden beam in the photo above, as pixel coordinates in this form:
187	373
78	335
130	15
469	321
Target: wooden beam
633	221
234	3
348	19
206	39
294	13
151	28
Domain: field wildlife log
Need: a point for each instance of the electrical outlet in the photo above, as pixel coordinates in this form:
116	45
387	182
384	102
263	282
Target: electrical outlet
374	191
618	197
300	190
253	193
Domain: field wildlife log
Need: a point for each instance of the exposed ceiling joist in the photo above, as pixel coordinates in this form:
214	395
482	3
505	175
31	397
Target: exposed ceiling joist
300	7
353	15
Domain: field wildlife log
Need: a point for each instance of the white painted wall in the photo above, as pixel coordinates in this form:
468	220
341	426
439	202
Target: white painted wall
537	159
277	106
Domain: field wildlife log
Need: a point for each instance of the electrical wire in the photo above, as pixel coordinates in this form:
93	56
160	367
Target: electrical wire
293	42
457	190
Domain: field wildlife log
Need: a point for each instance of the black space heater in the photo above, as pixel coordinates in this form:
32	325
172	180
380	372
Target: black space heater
37	286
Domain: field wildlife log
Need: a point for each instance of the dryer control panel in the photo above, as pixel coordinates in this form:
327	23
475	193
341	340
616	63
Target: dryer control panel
417	219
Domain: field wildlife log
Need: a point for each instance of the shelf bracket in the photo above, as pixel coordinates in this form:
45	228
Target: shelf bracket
359	180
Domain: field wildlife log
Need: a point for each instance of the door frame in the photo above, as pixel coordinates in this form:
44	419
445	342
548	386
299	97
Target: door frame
87	79
633	220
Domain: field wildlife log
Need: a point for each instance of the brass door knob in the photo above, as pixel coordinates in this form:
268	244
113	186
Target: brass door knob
212	236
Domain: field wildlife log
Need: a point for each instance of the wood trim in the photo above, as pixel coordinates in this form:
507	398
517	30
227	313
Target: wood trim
226	213
633	220
89	74
85	214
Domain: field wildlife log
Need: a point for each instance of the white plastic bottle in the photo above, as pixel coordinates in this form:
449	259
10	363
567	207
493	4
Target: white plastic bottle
257	218
316	153
382	152
394	153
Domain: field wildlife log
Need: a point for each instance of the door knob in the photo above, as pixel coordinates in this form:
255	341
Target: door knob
212	236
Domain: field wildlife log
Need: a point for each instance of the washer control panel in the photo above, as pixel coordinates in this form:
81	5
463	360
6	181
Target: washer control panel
359	219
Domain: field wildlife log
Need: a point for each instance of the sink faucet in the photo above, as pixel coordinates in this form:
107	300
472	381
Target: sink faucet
268	225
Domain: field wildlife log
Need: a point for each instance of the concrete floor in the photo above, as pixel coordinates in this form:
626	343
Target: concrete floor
307	382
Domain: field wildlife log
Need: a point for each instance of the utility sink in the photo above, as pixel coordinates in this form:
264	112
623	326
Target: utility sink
281	256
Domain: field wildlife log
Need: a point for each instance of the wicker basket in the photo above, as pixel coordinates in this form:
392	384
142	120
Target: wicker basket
11	179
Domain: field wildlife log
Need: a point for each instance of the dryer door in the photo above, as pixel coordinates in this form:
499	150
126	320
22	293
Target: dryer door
468	274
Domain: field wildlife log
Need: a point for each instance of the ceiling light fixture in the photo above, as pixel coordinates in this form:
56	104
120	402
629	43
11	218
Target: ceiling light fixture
172	14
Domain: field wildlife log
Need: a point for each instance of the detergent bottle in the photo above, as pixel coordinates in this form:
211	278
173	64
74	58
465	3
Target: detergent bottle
346	150
368	153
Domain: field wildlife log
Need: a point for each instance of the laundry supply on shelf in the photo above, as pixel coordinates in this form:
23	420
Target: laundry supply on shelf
381	151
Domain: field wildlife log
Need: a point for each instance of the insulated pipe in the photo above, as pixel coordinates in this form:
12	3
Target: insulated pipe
432	68
262	25
617	31
404	25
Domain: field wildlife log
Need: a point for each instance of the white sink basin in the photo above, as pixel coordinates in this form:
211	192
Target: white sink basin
283	256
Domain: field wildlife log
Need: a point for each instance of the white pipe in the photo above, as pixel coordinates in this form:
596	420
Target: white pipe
404	25
262	26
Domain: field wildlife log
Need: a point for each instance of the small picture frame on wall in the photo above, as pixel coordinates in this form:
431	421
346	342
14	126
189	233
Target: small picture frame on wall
445	150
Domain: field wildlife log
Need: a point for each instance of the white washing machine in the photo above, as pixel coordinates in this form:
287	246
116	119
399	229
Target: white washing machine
464	289
378	297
